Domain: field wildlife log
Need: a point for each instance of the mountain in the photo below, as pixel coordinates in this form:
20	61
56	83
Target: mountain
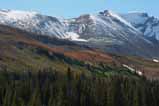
148	25
37	23
110	32
105	30
33	22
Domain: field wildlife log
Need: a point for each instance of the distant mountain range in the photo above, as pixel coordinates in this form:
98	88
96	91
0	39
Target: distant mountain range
125	34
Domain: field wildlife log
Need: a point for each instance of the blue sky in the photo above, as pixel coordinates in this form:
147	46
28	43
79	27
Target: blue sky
73	8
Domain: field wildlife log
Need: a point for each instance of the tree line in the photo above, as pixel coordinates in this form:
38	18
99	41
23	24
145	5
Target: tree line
51	88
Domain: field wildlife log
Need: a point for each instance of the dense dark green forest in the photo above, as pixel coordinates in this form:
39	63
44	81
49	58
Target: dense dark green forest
51	88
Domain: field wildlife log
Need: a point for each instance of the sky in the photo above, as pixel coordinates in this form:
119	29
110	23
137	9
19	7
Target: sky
74	8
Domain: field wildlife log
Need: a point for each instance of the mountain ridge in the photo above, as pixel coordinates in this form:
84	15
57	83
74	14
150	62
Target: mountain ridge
149	25
105	30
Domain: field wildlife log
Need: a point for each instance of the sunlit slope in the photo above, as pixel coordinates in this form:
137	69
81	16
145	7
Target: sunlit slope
22	51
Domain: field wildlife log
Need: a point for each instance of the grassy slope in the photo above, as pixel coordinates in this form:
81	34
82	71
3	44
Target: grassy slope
147	66
25	51
17	56
21	53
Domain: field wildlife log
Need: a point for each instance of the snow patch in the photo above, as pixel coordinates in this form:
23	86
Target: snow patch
155	60
74	36
133	70
128	67
139	73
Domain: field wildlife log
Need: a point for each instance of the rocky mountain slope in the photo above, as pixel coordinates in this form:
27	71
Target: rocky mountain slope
110	32
148	25
105	30
37	23
33	22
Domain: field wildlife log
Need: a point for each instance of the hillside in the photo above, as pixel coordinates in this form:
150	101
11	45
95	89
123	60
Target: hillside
27	51
21	53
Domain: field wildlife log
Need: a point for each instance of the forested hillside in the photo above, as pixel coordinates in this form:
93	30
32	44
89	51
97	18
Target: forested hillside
42	71
51	88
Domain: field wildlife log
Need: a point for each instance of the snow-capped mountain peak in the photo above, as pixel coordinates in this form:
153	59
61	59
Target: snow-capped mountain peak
33	22
148	25
109	13
37	23
107	24
16	14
